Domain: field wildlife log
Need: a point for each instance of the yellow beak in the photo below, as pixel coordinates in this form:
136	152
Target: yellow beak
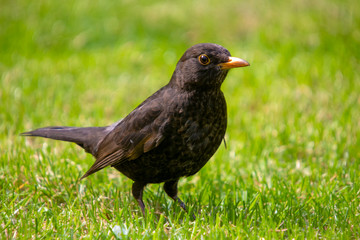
234	62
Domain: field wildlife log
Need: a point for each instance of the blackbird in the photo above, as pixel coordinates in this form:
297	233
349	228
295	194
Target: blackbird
172	134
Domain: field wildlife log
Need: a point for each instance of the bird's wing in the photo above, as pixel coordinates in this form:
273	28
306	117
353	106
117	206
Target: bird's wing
138	133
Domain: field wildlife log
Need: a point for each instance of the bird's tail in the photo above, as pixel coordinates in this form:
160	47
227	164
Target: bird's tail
87	137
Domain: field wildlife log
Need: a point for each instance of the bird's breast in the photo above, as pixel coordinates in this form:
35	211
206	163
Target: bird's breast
198	127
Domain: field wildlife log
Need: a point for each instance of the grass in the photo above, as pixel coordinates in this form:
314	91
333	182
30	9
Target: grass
292	164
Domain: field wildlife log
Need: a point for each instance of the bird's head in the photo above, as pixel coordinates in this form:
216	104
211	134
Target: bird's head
204	66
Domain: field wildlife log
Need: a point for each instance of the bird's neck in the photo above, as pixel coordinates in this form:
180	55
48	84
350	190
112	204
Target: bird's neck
187	85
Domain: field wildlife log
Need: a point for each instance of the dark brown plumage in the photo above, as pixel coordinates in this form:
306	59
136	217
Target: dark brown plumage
172	134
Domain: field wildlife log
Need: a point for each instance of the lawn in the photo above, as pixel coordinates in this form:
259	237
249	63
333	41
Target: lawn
291	168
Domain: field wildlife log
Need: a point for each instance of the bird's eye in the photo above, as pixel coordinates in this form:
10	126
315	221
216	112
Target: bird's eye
204	59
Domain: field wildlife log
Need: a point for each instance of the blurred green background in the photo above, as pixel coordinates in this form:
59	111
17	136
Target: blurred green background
291	168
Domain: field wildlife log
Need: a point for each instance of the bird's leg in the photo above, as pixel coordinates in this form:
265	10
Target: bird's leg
137	191
171	190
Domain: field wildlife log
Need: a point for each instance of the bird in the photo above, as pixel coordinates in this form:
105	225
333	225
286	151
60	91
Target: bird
170	135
